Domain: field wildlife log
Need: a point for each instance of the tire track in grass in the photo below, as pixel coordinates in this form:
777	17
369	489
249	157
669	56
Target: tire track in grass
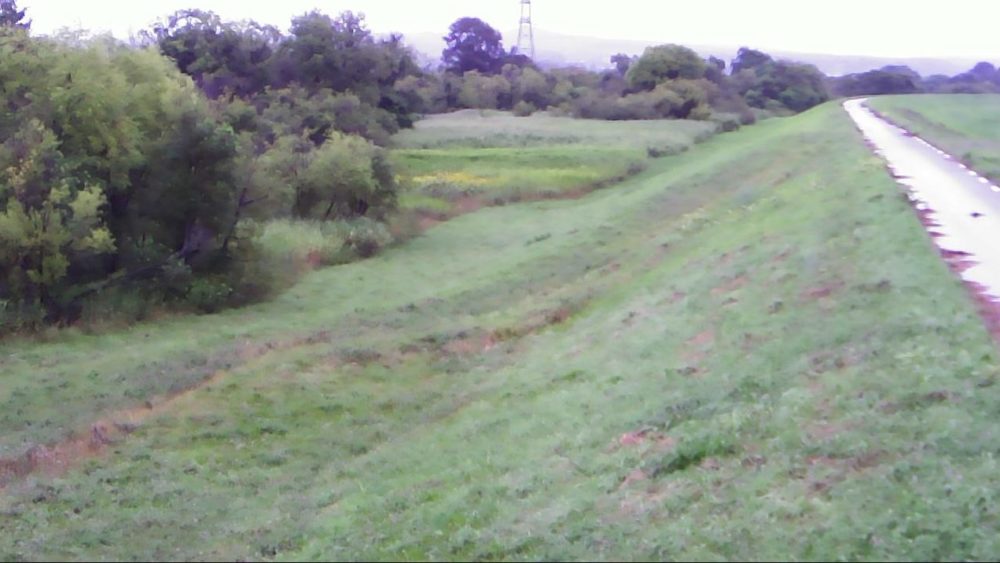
97	438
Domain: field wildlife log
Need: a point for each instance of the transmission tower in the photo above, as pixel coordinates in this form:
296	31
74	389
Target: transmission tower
525	33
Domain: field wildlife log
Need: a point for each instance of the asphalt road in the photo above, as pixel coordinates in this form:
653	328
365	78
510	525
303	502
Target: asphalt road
964	206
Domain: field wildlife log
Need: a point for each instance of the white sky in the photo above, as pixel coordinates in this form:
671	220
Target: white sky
891	28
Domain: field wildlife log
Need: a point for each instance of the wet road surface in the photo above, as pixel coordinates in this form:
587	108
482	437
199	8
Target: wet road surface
963	207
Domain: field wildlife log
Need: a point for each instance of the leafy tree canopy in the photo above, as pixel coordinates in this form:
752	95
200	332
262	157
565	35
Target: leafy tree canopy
473	45
665	62
10	16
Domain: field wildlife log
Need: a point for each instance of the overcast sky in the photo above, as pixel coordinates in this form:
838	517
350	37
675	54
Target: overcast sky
894	28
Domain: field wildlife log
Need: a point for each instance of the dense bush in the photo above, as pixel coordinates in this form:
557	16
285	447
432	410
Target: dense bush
118	176
524	109
883	81
322	54
663	63
777	85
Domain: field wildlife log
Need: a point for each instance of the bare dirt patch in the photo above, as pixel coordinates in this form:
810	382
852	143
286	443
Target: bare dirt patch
645	437
730	286
92	441
695	351
781	257
427	222
470	345
826	431
822	291
702	339
822	473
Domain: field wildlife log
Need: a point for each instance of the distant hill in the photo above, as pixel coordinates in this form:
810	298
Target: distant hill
556	49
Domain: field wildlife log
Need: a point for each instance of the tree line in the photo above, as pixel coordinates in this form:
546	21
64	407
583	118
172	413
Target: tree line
666	81
148	167
983	78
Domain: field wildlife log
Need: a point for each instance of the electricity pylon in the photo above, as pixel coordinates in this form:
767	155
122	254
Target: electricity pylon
525	33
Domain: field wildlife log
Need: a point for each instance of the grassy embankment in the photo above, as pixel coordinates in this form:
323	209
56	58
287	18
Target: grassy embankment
455	163
966	126
750	350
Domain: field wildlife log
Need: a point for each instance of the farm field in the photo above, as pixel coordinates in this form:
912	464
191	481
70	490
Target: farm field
748	350
453	163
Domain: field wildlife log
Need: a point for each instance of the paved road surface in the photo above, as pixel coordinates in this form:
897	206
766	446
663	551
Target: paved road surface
964	205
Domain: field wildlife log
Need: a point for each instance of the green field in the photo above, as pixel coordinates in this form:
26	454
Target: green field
966	126
454	162
750	350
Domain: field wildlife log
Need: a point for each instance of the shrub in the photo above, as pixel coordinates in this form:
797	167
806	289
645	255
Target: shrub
365	237
524	109
118	305
728	122
209	295
700	113
668	150
17	316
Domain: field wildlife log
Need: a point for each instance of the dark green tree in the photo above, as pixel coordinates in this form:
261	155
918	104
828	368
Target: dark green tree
662	63
221	57
341	54
473	45
874	82
622	63
749	59
10	16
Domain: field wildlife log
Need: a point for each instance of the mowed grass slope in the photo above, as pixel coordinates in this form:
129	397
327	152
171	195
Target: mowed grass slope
495	158
750	351
966	126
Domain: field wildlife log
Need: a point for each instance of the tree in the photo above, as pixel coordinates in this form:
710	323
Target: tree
425	93
341	54
665	62
530	86
10	16
278	171
221	57
984	71
803	86
874	82
905	71
482	91
473	45
189	201
715	71
982	78
342	179
323	52
766	83
48	223
296	111
749	59
622	63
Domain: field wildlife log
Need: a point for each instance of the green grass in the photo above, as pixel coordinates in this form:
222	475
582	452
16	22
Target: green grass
492	129
298	238
749	351
966	126
498	158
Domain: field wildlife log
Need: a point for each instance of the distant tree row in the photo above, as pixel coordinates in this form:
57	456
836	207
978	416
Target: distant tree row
667	81
321	57
983	78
